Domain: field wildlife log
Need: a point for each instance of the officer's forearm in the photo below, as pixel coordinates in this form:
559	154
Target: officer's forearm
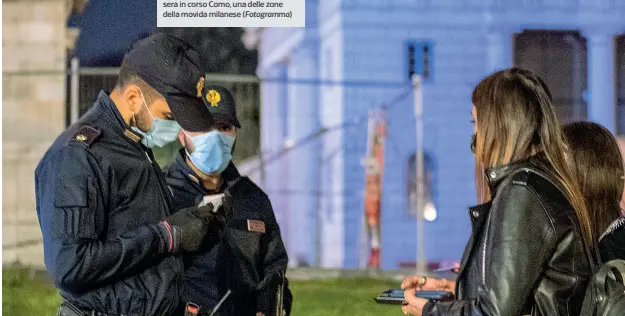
84	265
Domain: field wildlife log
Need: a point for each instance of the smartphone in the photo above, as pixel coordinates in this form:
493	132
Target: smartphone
440	296
396	296
392	296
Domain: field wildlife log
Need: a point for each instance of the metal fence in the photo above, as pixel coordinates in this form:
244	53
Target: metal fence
84	84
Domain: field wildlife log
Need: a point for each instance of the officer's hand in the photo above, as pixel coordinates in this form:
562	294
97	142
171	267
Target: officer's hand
188	227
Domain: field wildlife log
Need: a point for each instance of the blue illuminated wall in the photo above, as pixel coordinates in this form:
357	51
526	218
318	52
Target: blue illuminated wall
365	45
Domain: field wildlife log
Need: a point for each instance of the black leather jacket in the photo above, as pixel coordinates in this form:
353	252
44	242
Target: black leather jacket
525	255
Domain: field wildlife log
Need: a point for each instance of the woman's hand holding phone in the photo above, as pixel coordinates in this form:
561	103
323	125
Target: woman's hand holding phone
414	305
420	283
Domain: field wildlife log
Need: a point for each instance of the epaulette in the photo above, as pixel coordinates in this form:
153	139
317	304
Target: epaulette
86	135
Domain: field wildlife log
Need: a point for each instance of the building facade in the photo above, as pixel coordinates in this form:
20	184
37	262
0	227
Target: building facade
35	39
358	55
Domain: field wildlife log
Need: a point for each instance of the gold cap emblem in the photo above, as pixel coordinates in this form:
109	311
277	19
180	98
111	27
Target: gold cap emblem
199	86
213	97
81	137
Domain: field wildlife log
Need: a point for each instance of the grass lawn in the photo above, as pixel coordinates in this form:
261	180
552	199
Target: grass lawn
26	292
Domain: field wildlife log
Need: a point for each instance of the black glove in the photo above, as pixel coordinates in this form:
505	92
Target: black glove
266	290
288	298
187	228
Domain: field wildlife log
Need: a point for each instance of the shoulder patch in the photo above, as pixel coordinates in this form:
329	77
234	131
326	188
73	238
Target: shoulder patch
87	135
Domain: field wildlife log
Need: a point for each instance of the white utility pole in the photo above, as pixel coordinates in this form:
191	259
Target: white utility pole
74	88
418	111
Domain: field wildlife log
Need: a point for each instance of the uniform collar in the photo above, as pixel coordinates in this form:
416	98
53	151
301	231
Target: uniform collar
181	160
229	176
111	114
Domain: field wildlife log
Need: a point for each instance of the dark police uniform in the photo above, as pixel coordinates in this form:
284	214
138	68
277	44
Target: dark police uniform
233	256
243	253
100	197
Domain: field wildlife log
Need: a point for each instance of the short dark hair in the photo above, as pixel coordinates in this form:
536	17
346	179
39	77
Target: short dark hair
127	76
596	162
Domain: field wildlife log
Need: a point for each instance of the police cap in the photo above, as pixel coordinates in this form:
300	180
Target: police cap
172	67
220	103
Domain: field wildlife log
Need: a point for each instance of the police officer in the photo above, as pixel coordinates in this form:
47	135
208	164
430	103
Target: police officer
109	240
245	252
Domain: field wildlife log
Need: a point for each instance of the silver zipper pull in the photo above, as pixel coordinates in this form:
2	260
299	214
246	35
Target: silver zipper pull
148	156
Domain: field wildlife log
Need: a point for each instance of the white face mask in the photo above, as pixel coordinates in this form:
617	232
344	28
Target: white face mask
212	151
162	132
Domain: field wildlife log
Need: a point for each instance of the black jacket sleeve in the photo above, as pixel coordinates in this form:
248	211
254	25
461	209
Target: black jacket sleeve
517	249
274	264
73	193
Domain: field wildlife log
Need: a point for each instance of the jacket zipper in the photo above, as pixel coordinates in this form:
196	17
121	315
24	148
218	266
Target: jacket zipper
161	182
484	251
148	156
618	223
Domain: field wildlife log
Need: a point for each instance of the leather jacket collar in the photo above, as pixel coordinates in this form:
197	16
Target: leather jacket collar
496	175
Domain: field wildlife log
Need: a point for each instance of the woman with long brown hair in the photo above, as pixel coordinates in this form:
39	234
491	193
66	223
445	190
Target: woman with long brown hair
597	165
529	253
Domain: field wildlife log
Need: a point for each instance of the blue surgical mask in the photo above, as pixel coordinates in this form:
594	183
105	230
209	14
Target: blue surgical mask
213	151
162	132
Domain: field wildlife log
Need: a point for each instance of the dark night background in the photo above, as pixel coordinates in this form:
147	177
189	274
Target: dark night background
109	28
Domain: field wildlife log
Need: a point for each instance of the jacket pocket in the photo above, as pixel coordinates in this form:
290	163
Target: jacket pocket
78	207
243	242
243	259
